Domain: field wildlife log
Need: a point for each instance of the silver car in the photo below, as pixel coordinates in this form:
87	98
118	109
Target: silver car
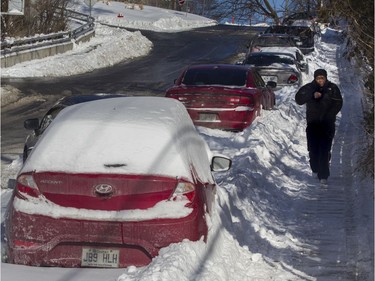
281	68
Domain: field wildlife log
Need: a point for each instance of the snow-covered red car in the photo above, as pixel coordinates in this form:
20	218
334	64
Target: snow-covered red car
223	96
109	183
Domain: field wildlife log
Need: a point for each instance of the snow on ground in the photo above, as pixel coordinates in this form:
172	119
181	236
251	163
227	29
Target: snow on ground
110	45
272	221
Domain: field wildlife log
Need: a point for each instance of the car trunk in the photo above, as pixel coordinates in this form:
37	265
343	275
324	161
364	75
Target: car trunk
213	97
278	75
111	192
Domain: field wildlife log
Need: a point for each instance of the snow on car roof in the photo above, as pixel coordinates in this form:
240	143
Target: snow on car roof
305	23
130	135
288	50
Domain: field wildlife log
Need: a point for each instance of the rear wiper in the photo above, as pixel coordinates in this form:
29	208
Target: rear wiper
114	165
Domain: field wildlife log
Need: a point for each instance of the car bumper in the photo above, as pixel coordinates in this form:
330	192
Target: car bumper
44	241
226	119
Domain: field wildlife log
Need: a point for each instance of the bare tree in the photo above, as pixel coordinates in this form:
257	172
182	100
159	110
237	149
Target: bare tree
40	17
245	10
261	10
302	5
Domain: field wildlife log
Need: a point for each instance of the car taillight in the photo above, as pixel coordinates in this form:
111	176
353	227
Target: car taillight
292	79
183	190
240	101
177	97
25	244
26	185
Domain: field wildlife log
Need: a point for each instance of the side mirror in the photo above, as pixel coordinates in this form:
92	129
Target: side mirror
271	84
220	164
31	124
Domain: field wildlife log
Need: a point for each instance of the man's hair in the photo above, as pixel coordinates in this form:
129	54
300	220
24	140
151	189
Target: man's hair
320	72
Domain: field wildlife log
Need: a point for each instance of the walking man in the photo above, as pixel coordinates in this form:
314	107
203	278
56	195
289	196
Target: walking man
323	102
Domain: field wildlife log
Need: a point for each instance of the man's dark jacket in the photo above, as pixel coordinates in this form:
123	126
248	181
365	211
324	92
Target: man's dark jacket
324	109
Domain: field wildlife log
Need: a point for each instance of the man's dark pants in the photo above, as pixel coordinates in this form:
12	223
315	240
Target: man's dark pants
319	143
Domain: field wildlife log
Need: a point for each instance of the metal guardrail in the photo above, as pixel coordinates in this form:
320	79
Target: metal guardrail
51	39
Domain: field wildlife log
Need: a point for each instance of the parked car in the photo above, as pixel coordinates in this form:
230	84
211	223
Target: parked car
223	96
302	19
303	36
39	127
299	57
288	20
111	182
277	67
270	40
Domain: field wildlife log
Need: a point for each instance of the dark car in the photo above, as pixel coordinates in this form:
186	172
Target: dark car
302	19
110	183
223	96
39	127
303	36
289	20
270	40
281	68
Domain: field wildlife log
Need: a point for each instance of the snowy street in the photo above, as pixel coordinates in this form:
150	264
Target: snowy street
273	220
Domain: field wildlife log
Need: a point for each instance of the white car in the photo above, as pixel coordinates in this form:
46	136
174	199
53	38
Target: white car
280	68
302	62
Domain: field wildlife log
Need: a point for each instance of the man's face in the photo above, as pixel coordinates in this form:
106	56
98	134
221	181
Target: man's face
320	80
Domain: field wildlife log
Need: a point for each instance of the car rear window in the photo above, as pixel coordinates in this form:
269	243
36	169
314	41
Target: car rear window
272	41
265	60
277	29
300	31
218	76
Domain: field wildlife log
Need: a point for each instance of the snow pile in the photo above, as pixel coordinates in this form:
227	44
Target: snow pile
110	46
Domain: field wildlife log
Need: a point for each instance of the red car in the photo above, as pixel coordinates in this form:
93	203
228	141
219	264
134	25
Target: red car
109	183
223	96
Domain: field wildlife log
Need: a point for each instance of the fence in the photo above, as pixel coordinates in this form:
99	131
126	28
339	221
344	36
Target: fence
13	52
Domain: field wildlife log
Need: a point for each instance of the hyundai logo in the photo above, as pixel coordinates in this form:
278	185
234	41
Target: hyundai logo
103	189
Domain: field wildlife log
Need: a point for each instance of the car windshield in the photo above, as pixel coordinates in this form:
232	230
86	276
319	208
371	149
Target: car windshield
216	76
264	60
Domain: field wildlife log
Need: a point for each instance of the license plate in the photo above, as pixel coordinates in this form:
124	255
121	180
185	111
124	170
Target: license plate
208	117
93	257
269	78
